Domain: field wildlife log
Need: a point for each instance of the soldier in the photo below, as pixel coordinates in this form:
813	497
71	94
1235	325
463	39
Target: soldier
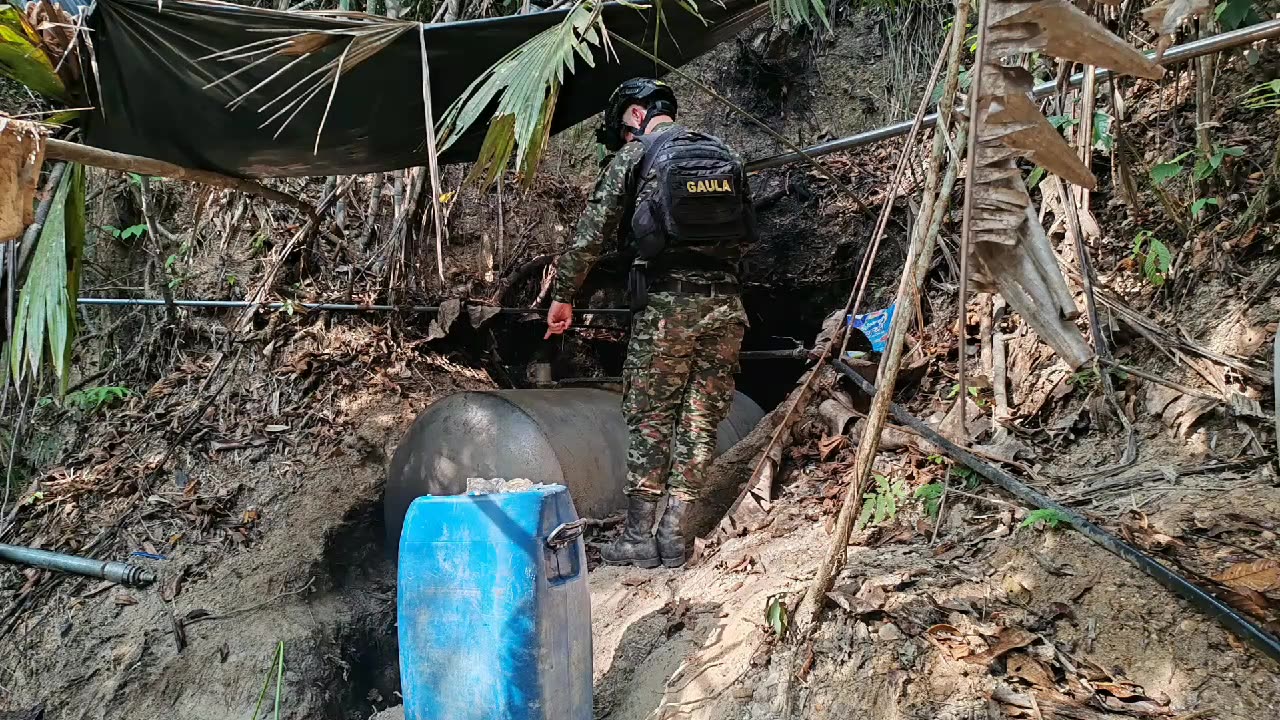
678	199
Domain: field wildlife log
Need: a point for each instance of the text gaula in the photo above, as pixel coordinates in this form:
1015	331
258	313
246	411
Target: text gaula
709	186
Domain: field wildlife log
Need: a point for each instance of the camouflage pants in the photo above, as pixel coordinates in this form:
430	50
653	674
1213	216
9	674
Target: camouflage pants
678	382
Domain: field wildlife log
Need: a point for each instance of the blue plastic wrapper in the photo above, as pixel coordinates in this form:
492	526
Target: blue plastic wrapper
875	325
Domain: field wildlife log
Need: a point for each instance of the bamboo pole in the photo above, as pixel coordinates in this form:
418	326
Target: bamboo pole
97	157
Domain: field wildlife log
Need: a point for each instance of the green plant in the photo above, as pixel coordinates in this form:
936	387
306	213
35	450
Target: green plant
1085	379
1197	207
278	663
968	477
1153	255
882	503
1046	517
931	495
23	56
974	391
1207	165
1265	96
777	616
130	232
1103	139
1169	169
1062	121
95	398
45	318
1036	177
1233	14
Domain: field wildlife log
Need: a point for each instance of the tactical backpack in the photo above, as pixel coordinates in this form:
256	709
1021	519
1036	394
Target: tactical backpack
693	216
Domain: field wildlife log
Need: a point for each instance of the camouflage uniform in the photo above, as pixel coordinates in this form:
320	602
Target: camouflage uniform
678	376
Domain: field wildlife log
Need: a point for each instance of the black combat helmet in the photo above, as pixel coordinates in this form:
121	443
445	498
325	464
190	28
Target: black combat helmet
654	95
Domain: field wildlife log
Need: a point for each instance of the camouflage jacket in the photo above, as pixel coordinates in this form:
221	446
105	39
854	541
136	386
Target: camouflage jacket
608	208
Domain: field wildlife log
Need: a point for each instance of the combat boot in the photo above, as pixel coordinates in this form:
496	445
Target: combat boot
635	546
671	545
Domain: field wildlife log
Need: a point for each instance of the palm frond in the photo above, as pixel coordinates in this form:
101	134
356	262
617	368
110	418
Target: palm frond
45	321
525	85
362	43
801	11
23	58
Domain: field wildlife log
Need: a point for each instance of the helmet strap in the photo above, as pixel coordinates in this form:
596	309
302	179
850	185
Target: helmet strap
653	111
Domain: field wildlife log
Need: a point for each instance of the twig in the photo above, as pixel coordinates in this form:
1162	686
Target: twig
886	210
166	292
13	451
145	488
1239	625
1162	381
371	212
256	606
966	226
982	498
942	508
839	339
312	223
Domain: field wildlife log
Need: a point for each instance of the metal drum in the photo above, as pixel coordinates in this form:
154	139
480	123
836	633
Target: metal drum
574	437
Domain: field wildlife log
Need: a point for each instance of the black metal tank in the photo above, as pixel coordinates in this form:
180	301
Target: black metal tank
574	436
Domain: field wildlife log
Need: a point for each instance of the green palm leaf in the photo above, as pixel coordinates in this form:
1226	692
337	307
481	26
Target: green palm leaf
45	316
525	84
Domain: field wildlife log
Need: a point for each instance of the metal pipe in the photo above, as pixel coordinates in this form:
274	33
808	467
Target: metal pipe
790	354
1239	625
334	307
116	572
1262	31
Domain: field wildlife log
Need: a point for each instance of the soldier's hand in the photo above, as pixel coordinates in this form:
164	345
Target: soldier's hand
559	318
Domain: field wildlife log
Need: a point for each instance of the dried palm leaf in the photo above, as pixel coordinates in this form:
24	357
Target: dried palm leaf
362	43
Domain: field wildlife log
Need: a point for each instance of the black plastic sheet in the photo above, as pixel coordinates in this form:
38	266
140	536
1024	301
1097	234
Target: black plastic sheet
153	67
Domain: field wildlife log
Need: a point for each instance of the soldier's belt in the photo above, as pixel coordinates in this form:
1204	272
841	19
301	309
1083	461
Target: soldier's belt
684	287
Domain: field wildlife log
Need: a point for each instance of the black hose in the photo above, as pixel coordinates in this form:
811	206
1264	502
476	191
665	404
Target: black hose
1239	625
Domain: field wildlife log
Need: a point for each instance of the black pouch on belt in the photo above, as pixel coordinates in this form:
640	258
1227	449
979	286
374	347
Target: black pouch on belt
638	285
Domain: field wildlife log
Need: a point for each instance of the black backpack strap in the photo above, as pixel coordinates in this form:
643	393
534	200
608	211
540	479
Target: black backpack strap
653	145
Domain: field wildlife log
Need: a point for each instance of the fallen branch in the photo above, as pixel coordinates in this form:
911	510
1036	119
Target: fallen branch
1162	381
97	157
505	284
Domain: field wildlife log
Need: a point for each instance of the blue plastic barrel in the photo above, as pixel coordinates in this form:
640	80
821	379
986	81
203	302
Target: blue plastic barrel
494	610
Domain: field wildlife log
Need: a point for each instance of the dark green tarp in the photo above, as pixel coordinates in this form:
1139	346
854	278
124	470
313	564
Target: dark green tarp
152	68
